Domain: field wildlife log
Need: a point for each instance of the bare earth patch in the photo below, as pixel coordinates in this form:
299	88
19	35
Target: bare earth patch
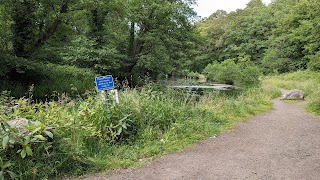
282	144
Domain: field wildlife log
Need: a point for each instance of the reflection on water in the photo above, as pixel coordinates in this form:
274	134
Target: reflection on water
221	87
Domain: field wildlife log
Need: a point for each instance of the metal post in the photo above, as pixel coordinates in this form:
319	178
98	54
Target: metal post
107	103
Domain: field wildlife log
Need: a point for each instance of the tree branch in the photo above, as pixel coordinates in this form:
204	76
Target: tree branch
53	28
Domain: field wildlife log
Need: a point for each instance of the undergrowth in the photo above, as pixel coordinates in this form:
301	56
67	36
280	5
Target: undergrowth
18	74
89	136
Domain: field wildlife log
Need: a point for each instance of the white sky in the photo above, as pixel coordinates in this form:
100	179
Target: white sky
205	8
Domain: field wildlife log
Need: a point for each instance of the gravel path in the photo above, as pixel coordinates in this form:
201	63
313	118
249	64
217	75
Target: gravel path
281	144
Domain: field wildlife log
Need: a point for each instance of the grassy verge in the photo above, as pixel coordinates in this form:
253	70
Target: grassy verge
307	81
89	137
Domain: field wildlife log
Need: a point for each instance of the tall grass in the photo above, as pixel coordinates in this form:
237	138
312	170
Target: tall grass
308	81
91	137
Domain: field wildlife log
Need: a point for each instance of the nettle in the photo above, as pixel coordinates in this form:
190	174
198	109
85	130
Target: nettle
109	122
22	140
4	172
20	137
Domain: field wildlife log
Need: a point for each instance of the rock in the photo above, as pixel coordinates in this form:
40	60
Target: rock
20	124
294	95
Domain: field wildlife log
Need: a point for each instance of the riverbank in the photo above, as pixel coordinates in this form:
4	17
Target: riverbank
147	123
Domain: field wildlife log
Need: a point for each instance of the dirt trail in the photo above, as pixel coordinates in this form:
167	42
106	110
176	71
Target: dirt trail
282	144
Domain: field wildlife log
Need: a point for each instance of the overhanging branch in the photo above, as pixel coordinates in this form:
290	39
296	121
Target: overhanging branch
53	28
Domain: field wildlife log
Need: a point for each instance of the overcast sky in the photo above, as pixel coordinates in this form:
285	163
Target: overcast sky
206	7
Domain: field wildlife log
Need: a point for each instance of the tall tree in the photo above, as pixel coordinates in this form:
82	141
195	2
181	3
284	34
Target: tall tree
239	35
23	15
248	32
158	32
34	23
293	41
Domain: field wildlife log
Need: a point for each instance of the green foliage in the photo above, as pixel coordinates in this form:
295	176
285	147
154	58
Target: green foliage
159	34
5	173
241	32
308	81
19	74
249	76
193	75
279	38
314	63
146	38
89	136
225	72
242	74
5	33
292	41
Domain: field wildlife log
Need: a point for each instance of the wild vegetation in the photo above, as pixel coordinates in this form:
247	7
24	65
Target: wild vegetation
308	81
122	38
87	136
50	52
278	38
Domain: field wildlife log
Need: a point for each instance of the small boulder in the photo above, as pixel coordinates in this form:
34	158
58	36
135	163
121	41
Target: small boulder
20	124
294	95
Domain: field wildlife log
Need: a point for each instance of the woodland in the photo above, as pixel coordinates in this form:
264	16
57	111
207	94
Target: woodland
51	51
63	42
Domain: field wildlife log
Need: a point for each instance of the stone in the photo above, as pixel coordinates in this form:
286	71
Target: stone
294	95
20	124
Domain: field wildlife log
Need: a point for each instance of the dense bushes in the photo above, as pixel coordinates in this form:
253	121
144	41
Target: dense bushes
18	74
314	63
79	126
39	149
89	136
242	74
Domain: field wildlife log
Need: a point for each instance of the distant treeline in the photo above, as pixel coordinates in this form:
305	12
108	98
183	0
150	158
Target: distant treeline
134	39
281	37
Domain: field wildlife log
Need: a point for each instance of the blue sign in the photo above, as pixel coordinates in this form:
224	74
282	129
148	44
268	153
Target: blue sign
104	83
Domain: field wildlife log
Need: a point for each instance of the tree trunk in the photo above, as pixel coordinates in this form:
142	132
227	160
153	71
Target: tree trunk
53	28
23	30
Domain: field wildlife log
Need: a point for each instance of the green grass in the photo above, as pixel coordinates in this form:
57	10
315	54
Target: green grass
292	101
307	81
145	125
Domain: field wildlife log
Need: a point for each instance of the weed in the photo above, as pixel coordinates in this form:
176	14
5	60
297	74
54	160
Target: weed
148	122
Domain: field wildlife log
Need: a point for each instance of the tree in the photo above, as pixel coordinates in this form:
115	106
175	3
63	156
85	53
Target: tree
293	41
5	33
249	30
238	34
34	23
158	32
212	30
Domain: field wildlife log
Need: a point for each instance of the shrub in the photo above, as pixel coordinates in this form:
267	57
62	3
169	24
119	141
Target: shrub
193	75
225	72
18	74
37	152
249	76
314	64
242	74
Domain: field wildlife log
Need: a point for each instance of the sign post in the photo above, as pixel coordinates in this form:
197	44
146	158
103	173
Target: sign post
106	83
